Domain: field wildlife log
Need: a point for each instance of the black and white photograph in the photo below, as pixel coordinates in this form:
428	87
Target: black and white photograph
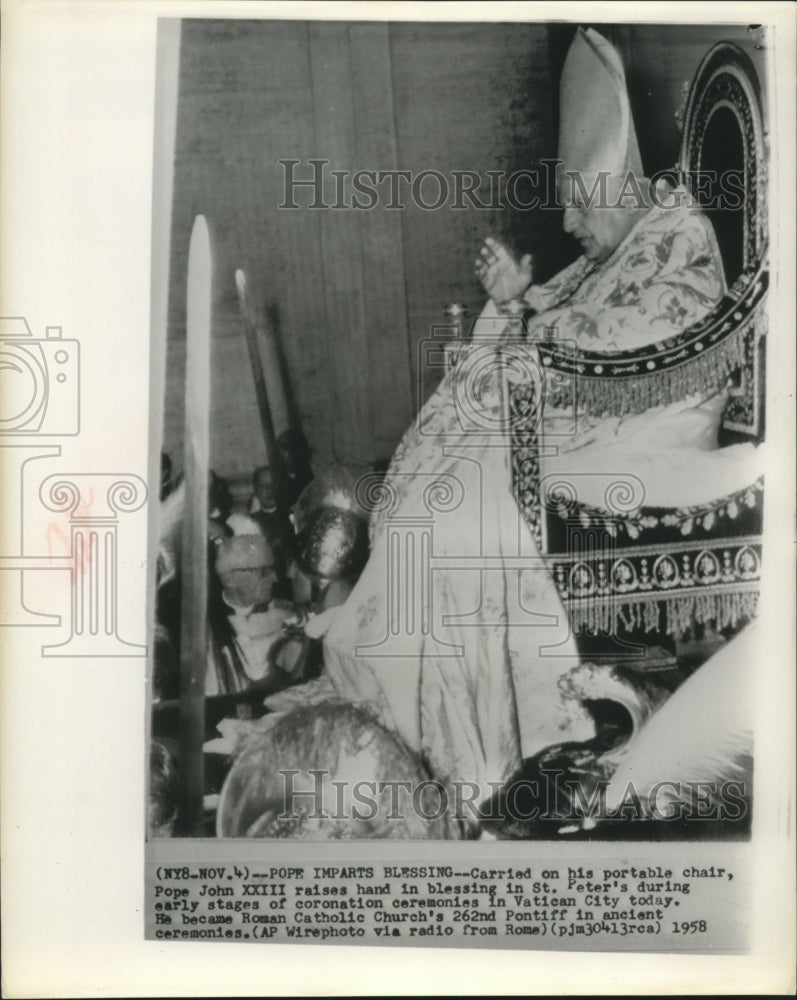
401	518
462	450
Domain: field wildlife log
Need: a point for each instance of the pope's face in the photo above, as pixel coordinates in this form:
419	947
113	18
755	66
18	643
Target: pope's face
599	223
599	229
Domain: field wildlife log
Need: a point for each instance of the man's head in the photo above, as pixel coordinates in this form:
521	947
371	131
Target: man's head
245	567
263	483
330	771
600	211
600	180
294	451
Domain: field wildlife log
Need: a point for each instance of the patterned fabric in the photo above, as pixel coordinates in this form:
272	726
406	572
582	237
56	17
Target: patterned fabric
455	633
664	276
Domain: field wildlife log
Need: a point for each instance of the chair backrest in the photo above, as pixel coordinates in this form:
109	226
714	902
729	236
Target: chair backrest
661	568
723	135
723	159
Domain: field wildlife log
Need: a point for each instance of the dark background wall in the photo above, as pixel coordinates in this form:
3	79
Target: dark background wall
355	292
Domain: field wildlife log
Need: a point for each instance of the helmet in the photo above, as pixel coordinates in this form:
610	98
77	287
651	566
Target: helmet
332	487
333	544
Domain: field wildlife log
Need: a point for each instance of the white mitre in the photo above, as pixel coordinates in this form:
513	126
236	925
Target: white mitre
596	130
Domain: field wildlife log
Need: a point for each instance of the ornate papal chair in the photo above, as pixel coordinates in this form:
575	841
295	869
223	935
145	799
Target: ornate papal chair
624	572
655	569
724	135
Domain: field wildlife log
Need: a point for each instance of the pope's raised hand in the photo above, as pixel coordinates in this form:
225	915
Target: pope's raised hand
502	277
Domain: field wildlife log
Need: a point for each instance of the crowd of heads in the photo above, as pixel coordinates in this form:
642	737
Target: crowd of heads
299	538
291	549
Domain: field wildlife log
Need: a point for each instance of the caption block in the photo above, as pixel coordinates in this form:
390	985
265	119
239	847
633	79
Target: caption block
613	905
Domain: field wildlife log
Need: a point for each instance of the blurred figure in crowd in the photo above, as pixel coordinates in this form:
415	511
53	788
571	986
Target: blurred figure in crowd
164	789
263	494
219	499
297	472
244	615
272	520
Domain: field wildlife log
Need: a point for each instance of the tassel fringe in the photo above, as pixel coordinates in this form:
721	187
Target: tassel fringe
675	616
634	393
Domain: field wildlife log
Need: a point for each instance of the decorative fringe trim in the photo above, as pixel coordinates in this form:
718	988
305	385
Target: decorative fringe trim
673	615
615	394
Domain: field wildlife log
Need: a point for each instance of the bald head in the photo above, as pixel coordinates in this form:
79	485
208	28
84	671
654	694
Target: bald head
245	567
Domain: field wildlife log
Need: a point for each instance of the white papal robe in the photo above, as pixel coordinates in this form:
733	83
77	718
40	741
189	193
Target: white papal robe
455	633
